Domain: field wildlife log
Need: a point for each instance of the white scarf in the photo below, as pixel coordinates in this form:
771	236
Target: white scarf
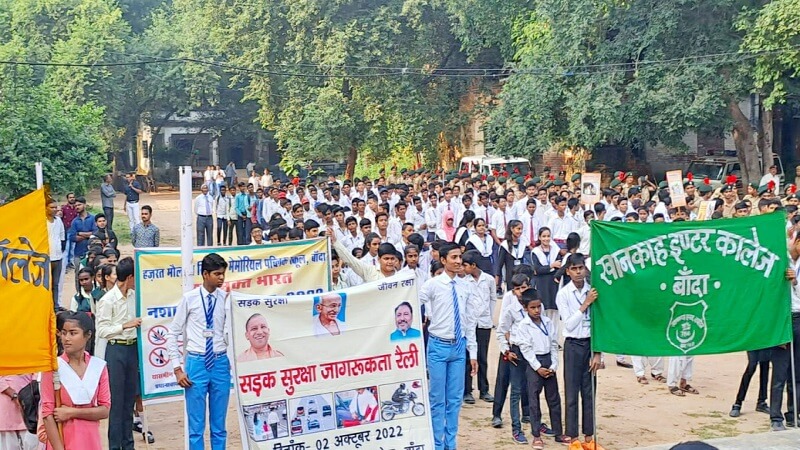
550	258
485	246
517	252
81	390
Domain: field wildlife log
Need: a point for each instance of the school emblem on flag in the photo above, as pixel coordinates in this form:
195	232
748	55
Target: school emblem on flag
687	329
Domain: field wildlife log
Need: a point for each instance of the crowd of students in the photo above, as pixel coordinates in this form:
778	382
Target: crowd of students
467	238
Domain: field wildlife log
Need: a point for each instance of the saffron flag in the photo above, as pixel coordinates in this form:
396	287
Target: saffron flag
690	288
27	324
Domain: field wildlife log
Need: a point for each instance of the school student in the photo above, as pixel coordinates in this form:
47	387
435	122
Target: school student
573	301
539	345
84	399
483	285
451	308
758	359
117	324
205	372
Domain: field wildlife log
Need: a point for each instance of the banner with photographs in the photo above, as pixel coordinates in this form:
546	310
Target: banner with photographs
339	370
287	268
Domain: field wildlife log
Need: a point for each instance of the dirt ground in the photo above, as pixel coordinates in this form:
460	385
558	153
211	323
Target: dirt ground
628	414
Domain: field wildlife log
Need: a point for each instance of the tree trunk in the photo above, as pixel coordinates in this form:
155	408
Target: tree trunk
350	169
766	137
746	149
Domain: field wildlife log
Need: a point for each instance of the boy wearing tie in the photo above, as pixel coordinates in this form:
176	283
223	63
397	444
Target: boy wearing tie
452	310
205	373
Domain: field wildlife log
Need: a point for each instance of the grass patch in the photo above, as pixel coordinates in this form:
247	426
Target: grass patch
725	428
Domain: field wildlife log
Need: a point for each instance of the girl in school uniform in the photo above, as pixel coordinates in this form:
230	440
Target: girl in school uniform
482	242
546	260
510	254
85	394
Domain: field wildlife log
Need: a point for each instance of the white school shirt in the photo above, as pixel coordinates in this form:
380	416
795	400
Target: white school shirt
485	288
511	315
538	339
190	318
500	222
569	300
204	205
437	296
433	218
561	227
56	234
796	287
529	225
223	206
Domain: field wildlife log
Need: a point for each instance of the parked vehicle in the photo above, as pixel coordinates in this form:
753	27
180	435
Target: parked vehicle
491	165
312	407
326	410
718	168
313	424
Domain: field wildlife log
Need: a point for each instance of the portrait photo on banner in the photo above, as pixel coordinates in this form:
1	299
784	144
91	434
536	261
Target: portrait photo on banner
257	333
404	321
329	314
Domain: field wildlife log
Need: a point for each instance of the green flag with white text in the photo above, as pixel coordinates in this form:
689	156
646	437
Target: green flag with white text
690	288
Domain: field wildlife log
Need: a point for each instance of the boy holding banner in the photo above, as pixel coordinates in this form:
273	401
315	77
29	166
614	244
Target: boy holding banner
574	300
206	372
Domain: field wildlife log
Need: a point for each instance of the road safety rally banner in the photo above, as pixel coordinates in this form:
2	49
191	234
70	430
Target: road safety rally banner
344	369
690	288
287	268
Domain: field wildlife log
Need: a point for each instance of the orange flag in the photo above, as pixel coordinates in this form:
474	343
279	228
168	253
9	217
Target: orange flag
28	323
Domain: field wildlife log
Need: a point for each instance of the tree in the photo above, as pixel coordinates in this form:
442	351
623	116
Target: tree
317	68
35	126
597	73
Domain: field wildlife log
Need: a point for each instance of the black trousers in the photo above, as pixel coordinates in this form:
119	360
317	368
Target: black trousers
502	383
482	336
109	213
755	359
782	375
55	279
240	231
122	362
550	385
578	382
224	233
205	230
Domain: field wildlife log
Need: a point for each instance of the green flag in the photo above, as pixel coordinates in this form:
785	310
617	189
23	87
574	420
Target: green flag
690	288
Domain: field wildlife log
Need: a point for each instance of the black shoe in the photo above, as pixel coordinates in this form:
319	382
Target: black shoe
735	411
137	427
487	397
789	420
149	437
762	407
469	399
526	419
497	422
624	364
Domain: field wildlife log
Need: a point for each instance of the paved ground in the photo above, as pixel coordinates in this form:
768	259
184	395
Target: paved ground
629	415
787	440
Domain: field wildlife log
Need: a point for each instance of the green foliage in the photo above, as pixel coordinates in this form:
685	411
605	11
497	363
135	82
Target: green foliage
774	34
591	74
37	126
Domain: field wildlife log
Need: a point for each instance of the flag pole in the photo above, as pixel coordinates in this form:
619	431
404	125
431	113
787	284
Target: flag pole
794	383
187	253
594	405
39	175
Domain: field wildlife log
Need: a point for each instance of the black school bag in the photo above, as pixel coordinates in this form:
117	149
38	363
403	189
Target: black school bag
29	400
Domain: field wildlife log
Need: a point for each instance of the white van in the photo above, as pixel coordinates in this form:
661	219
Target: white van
488	164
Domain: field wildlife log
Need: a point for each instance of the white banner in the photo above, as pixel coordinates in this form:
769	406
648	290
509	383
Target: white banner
339	370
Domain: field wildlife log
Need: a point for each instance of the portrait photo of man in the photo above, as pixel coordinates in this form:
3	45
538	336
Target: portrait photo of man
329	313
257	333
403	319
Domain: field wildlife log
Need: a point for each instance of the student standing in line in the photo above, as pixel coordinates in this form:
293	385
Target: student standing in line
205	373
85	395
483	285
539	345
451	309
573	301
117	323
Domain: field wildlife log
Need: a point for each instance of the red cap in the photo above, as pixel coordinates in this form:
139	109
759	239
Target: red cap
305	200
